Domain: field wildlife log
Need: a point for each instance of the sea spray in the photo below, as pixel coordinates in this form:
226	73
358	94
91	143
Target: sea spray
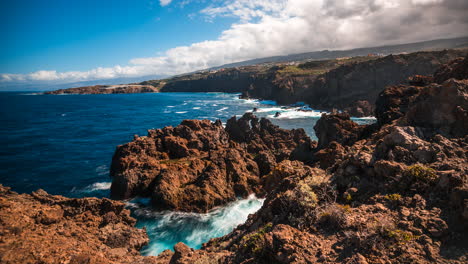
165	229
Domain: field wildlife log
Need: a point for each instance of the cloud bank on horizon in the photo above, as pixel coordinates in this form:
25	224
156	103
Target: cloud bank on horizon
277	27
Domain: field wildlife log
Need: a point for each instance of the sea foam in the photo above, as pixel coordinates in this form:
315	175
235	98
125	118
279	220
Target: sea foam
165	229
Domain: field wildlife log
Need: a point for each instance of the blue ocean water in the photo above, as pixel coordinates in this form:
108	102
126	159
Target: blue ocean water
64	145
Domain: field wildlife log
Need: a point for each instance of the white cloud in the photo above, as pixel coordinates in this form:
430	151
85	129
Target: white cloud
277	27
165	2
426	2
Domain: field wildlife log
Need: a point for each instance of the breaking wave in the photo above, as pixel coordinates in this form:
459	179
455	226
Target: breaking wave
166	229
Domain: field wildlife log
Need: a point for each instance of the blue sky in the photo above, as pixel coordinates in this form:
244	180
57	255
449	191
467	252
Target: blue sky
69	41
80	35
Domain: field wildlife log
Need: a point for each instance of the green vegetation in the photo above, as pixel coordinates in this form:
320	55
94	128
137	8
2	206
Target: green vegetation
393	197
254	241
297	71
320	67
422	173
348	198
303	194
400	236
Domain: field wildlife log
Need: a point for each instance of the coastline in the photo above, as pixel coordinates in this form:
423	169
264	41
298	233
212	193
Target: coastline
392	191
350	85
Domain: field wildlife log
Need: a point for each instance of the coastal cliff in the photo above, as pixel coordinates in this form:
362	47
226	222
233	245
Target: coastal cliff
392	192
350	84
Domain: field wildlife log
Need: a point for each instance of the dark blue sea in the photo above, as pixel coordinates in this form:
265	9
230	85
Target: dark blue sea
64	145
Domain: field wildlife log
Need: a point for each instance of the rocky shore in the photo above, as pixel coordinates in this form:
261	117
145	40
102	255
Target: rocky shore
392	192
350	84
108	89
43	228
199	165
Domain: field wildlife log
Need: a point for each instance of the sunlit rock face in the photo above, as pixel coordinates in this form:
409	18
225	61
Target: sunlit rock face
199	165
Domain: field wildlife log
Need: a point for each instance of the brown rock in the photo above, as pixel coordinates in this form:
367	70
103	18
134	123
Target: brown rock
199	165
457	69
450	117
336	127
43	228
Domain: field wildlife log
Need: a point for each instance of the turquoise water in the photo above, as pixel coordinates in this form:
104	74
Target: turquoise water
64	145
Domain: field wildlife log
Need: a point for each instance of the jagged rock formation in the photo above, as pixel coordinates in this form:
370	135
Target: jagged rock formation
396	193
457	69
108	89
336	128
199	165
393	192
43	228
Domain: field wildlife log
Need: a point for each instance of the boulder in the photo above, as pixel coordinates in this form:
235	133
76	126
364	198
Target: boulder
338	128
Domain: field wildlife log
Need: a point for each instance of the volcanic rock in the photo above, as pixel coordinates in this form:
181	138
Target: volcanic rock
43	228
457	69
338	128
199	165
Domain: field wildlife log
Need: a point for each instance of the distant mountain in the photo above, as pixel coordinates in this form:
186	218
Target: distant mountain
431	45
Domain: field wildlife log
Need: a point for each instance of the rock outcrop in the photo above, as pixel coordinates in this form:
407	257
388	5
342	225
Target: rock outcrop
108	89
395	192
42	228
199	165
350	85
338	128
457	69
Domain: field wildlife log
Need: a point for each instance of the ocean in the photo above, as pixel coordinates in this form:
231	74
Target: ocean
64	145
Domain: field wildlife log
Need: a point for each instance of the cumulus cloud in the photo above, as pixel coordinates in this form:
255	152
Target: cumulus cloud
277	27
426	2
165	2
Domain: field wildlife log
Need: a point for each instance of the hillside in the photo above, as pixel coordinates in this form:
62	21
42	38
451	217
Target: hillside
345	83
431	45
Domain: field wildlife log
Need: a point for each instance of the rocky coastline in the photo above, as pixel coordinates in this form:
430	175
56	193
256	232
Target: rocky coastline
199	165
107	89
44	228
392	192
350	84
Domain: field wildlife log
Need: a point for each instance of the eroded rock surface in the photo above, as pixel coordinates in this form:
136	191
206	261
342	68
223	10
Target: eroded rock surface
199	165
396	193
43	228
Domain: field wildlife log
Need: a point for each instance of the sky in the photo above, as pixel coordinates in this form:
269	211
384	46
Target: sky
66	41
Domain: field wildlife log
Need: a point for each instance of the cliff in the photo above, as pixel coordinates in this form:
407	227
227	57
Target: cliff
392	192
350	84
